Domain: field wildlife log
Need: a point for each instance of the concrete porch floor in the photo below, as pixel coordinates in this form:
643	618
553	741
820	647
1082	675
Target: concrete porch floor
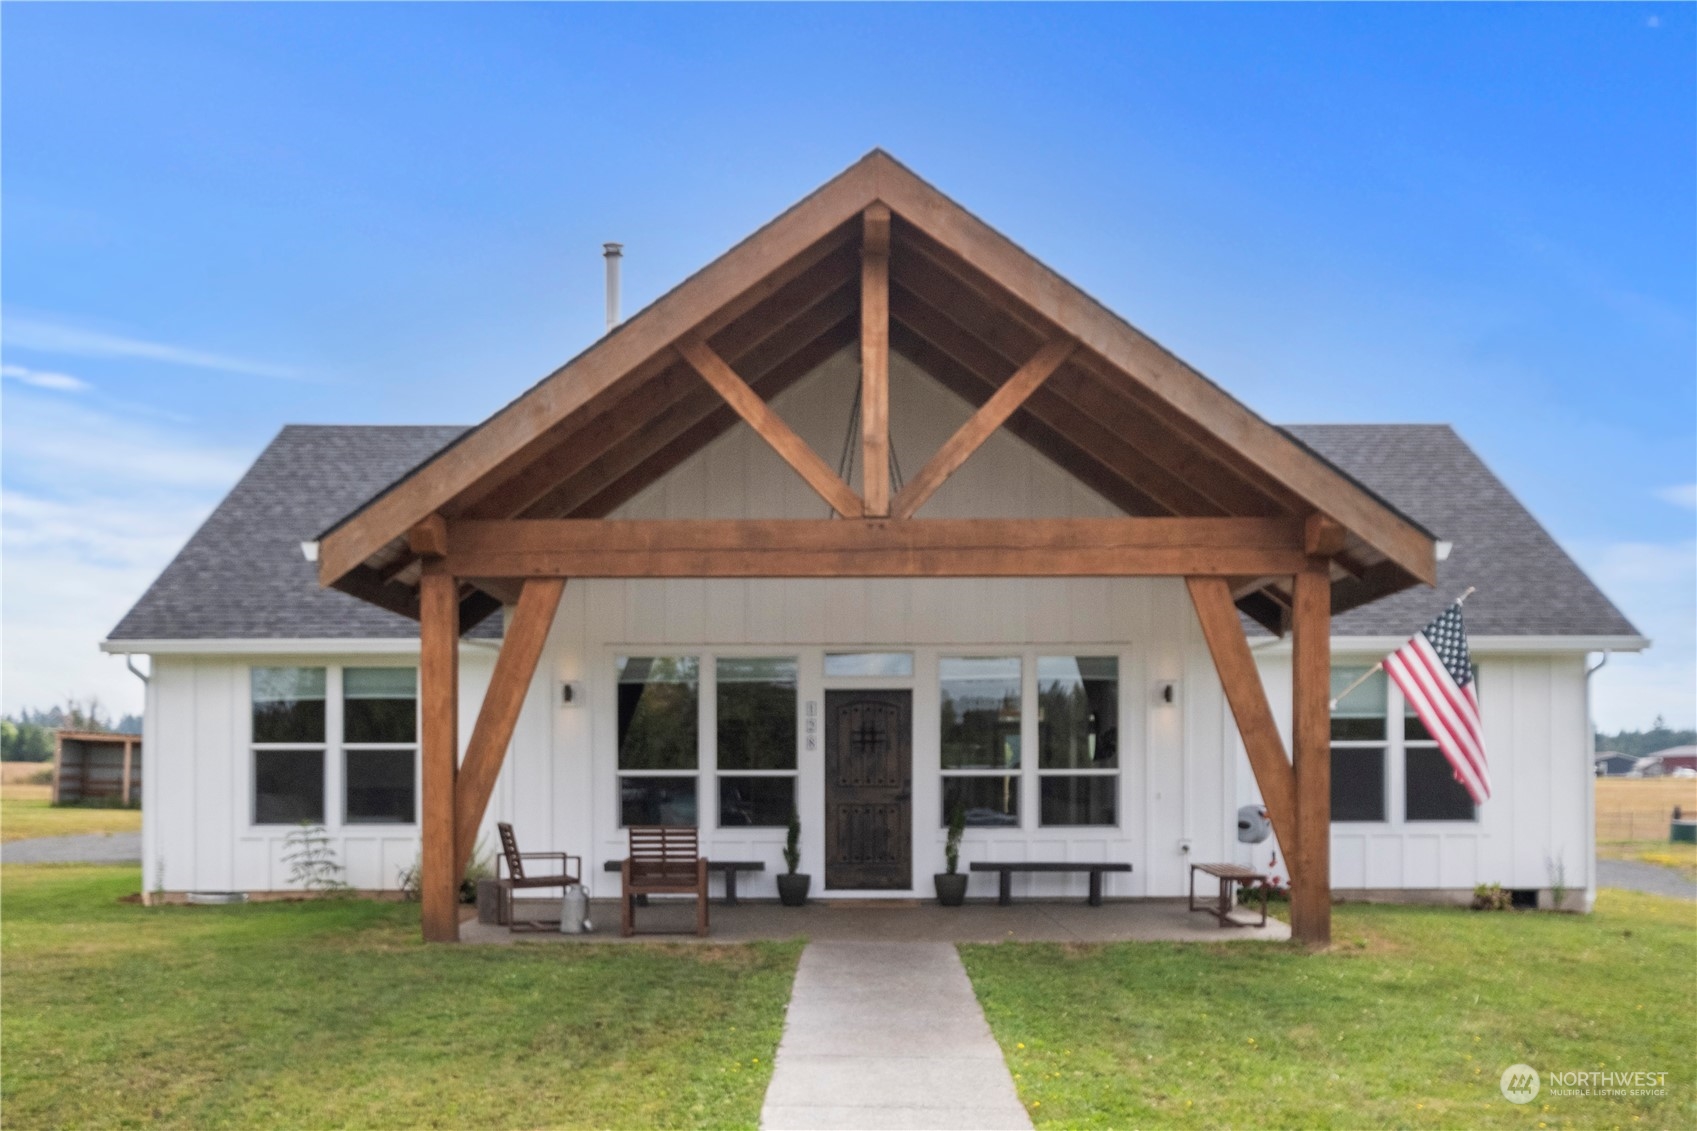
1132	920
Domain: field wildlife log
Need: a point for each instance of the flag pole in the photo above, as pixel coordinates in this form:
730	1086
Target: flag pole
1380	666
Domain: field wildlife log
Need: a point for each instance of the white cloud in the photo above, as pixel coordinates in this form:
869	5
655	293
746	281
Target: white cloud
1683	495
1655	584
40	379
53	337
93	508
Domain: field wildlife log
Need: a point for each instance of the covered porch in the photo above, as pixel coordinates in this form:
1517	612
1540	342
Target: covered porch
978	921
1255	524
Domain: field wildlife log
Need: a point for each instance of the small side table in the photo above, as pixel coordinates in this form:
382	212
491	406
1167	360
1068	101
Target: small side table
1228	874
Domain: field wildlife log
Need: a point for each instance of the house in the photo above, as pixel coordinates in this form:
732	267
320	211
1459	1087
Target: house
1612	765
871	517
1667	761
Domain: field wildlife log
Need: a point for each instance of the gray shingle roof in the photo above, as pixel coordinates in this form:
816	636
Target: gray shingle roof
242	575
1527	585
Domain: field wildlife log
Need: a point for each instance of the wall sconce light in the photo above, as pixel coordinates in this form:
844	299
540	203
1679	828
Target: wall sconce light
568	694
1166	692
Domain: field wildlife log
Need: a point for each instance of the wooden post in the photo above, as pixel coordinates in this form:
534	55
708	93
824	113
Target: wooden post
875	360
438	685
1311	747
126	786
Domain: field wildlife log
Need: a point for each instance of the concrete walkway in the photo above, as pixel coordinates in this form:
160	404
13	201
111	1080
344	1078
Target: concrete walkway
95	848
1635	875
887	1035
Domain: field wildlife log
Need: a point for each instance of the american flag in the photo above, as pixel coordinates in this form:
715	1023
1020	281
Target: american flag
1435	674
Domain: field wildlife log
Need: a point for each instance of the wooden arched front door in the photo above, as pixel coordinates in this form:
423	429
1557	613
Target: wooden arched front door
869	790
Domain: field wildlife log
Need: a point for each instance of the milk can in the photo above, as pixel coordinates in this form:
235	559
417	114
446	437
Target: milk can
574	910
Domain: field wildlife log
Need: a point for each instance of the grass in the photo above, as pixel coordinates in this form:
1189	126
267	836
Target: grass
1408	1021
24	818
333	1014
1682	858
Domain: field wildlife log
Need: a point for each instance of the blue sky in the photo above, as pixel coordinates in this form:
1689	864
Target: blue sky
222	218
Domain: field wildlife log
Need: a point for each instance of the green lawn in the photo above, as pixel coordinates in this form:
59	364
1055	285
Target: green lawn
23	818
1408	1021
334	1015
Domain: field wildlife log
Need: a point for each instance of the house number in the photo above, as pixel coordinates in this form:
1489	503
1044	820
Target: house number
811	732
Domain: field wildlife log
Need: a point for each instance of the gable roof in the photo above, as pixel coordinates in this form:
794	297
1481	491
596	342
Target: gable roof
969	307
242	576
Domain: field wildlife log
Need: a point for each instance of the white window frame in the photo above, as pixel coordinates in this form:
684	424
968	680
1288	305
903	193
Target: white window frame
1037	740
332	726
712	717
1027	735
344	747
706	808
1395	748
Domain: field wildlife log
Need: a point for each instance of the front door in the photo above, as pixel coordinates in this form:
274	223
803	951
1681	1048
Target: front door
869	789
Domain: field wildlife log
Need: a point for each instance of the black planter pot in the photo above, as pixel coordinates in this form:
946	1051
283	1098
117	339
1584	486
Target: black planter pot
951	888
792	888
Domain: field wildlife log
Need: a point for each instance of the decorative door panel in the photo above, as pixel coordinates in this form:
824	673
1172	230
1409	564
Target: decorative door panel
869	790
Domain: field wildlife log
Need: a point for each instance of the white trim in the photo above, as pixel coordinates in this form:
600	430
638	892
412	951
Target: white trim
271	646
1478	645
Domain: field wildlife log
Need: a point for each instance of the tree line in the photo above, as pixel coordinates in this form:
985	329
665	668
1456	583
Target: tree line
1638	743
28	735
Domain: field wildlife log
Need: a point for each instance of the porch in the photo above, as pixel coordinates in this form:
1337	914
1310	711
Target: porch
1062	921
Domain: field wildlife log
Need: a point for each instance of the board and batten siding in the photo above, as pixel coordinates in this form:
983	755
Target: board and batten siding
1182	775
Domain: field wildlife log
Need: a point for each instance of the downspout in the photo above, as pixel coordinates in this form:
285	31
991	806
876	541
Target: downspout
1591	788
148	854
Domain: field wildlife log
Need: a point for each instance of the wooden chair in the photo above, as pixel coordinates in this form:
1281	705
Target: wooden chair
570	872
663	860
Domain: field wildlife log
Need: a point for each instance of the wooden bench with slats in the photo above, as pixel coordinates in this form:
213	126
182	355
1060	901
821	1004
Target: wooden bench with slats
663	860
1228	875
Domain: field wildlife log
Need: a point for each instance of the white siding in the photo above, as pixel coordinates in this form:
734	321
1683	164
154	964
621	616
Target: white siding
1182	775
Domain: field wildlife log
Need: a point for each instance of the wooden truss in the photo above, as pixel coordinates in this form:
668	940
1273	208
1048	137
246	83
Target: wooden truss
1256	523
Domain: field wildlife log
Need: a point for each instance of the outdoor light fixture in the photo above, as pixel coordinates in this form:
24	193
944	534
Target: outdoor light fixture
1166	691
568	694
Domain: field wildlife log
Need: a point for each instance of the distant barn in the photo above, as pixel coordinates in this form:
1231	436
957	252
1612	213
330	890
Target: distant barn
96	766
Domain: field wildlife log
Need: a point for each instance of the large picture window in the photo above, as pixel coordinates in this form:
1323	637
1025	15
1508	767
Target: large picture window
755	701
1078	739
1358	746
379	745
979	710
659	739
288	745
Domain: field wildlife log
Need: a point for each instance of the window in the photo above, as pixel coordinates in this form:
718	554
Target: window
1358	746
658	729
1078	739
979	709
1430	789
379	745
756	707
848	665
288	745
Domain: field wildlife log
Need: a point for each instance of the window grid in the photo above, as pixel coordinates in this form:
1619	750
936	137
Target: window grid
1045	774
1014	774
1395	748
714	755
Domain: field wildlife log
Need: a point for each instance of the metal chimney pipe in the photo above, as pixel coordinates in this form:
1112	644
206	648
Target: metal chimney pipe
614	252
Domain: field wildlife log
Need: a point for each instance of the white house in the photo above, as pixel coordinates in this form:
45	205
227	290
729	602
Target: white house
1065	694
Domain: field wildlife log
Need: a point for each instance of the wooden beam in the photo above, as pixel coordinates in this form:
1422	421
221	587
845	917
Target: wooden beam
1165	376
1082	547
429	537
969	437
527	632
702	303
1311	739
875	359
770	426
1247	695
439	694
1323	537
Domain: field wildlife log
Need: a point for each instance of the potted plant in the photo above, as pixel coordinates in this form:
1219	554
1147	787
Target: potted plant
792	885
951	885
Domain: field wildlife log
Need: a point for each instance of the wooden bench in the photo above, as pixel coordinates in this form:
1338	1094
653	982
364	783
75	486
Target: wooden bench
1228	874
1004	888
663	860
726	868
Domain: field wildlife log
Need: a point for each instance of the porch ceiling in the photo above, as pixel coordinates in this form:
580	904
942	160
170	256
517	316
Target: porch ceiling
1120	414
